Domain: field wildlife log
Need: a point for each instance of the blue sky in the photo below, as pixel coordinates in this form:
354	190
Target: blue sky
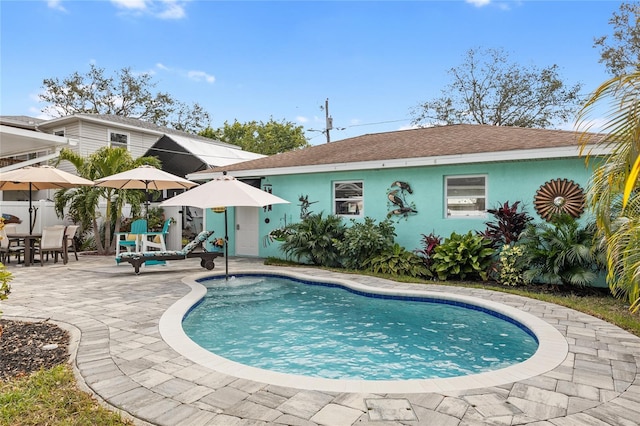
374	60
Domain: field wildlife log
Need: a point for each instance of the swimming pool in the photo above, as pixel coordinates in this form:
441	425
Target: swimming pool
324	330
551	351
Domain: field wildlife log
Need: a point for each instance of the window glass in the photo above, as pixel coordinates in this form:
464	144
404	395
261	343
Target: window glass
466	196
118	139
348	198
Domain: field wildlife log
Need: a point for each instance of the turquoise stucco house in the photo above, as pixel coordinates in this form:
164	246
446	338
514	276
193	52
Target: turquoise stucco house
437	179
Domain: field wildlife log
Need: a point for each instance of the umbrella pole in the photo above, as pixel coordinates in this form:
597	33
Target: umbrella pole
31	218
226	247
146	202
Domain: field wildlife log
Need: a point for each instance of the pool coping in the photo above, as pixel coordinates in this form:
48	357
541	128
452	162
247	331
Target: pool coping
552	350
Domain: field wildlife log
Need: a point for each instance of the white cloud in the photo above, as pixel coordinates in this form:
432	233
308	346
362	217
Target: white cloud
301	119
162	67
130	4
56	4
161	9
172	10
478	3
410	126
201	76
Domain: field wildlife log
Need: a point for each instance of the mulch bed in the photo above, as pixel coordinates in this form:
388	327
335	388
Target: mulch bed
27	347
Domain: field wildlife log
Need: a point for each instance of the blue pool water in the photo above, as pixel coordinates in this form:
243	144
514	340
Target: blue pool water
284	325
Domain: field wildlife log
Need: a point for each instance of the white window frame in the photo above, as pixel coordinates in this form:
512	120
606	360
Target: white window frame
464	199
354	205
60	132
113	144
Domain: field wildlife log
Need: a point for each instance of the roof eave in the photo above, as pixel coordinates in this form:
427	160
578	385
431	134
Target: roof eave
485	157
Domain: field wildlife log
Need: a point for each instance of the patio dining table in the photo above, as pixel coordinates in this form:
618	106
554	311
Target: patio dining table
29	244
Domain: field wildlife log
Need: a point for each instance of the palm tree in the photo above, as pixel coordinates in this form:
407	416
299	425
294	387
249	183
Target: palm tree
614	192
83	202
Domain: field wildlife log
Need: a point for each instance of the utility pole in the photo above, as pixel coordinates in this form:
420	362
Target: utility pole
329	120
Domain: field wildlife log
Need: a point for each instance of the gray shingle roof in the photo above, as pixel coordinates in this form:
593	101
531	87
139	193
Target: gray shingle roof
457	139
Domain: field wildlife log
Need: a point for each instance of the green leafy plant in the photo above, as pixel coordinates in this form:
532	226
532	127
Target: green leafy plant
362	241
511	265
508	224
312	240
562	253
155	220
397	261
465	256
278	234
5	277
429	244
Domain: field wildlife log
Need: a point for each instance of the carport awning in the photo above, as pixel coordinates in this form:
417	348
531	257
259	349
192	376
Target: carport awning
214	154
15	141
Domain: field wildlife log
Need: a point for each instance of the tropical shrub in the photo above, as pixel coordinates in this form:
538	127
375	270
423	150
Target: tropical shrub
507	224
312	240
397	261
562	253
363	240
429	244
5	277
511	267
465	256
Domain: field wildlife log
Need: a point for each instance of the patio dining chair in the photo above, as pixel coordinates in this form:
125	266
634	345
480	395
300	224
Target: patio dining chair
52	242
9	247
131	240
70	234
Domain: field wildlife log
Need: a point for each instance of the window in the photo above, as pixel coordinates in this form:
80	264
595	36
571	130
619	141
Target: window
348	198
58	132
466	196
117	139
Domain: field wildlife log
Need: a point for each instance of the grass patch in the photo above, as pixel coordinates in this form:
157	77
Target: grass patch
50	397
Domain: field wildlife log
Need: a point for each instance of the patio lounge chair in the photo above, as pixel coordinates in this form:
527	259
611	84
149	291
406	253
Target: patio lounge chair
138	259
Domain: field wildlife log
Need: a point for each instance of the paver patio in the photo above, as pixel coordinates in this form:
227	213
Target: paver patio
121	357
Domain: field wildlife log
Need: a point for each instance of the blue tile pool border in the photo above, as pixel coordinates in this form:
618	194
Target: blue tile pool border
421	299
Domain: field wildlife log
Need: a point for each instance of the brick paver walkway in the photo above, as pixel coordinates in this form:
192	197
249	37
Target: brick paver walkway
124	361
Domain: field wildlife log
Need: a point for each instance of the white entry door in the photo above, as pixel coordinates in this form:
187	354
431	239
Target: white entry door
246	231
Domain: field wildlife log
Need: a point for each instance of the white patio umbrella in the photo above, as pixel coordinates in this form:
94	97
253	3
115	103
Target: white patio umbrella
145	177
36	178
225	191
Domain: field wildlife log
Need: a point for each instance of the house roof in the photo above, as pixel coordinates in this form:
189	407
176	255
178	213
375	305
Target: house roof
21	121
453	144
208	152
132	123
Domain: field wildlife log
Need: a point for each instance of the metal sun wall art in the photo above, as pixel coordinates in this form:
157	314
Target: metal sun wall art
397	200
559	196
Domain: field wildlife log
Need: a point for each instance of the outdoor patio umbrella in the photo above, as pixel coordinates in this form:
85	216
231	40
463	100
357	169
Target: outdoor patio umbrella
225	191
145	177
36	178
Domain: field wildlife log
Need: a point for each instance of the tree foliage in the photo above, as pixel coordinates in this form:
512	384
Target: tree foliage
125	94
614	192
488	89
272	137
620	51
82	203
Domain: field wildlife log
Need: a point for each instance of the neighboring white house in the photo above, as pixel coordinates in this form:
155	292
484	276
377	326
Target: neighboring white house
31	141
